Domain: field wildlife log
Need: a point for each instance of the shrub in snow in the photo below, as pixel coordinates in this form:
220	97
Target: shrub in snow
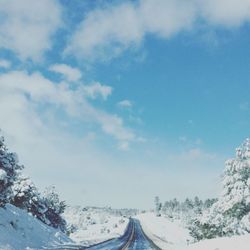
230	215
9	170
121	221
26	196
47	208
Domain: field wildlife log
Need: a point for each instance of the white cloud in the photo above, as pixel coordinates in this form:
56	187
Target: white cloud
48	150
5	64
22	93
96	89
27	27
132	22
87	41
163	18
228	13
124	146
125	104
71	74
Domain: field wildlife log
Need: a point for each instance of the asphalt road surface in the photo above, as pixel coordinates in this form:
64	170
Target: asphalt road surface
133	239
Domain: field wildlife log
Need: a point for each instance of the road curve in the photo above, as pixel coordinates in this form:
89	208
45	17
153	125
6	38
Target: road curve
133	239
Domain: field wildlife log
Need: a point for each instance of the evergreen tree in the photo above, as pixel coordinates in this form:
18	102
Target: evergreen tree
9	171
230	215
26	196
158	206
55	208
21	192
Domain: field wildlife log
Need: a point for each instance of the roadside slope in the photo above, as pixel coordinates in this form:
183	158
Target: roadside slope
225	243
164	233
19	230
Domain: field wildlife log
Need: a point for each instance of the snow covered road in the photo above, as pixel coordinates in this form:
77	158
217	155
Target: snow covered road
140	240
134	238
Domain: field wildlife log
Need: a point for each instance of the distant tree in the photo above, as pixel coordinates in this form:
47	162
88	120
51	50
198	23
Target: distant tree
209	202
158	206
188	204
198	205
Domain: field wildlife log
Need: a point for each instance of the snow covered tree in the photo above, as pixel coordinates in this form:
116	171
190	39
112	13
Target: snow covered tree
26	196
9	170
47	208
21	192
198	205
55	208
158	206
230	215
208	203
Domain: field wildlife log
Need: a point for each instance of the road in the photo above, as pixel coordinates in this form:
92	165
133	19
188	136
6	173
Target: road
133	239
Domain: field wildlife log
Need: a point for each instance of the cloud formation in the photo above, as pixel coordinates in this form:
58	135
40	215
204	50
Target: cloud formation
23	94
69	73
127	24
96	89
125	104
5	64
27	27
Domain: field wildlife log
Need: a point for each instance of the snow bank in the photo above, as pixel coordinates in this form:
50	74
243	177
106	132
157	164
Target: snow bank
172	236
163	232
226	243
19	230
94	225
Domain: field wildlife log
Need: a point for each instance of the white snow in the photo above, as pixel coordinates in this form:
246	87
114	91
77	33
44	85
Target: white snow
226	243
94	225
3	175
163	232
173	236
19	230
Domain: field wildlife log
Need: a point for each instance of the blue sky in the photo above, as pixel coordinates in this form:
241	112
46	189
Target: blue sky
115	102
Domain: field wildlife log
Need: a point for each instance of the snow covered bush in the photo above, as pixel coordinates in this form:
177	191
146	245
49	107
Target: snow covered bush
91	225
26	196
230	215
9	171
47	207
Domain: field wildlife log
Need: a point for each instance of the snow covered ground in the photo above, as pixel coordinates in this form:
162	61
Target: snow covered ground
94	225
173	236
19	230
164	233
233	243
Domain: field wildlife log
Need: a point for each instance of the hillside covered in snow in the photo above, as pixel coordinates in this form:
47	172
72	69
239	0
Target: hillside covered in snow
20	230
169	234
